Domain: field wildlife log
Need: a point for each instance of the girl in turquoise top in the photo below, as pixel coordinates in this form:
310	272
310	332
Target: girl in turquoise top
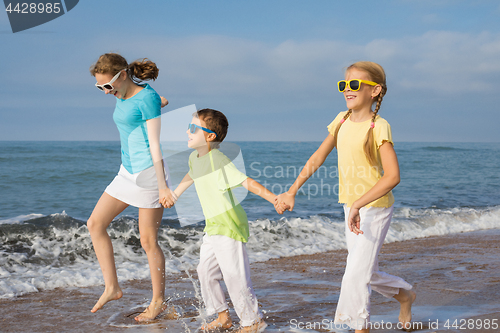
142	179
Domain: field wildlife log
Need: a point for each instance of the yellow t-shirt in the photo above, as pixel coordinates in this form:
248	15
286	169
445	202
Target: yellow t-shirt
356	175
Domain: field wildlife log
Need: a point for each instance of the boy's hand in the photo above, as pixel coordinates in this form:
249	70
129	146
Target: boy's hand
164	101
167	198
283	202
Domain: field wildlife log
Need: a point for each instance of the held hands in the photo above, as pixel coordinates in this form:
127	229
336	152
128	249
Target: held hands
354	221
286	201
283	202
167	198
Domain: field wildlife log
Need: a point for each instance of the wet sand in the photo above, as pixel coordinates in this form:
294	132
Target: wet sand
455	277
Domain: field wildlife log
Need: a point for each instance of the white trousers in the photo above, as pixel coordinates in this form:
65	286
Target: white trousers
221	258
362	273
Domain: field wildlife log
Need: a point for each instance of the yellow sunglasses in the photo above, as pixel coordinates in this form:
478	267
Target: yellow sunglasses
353	85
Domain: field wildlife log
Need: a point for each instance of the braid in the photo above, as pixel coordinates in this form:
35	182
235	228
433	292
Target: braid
368	148
335	136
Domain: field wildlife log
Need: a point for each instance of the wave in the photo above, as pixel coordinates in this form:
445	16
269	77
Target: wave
20	218
418	223
47	252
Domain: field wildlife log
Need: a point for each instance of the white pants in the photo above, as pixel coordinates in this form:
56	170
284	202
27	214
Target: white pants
362	273
222	257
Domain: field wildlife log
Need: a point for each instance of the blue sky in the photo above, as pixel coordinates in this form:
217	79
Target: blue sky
271	66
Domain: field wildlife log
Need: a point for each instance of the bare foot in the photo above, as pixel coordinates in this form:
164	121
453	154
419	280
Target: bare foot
152	311
406	299
223	321
107	295
255	328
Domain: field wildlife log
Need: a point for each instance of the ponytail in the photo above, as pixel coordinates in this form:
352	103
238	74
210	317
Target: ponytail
112	63
142	70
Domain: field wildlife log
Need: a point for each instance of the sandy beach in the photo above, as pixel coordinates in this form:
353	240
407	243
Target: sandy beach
456	277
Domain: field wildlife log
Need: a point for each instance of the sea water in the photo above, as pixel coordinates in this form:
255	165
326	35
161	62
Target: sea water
48	190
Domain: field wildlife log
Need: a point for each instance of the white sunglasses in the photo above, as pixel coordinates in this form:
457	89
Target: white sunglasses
109	85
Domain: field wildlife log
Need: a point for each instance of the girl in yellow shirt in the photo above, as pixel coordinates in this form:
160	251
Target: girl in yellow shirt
368	171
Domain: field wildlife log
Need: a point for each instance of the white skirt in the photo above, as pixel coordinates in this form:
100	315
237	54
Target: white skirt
139	189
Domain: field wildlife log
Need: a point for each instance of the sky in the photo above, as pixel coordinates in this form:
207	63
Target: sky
270	65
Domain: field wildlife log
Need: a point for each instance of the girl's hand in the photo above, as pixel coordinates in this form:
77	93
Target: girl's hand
167	198
280	207
164	101
354	221
284	201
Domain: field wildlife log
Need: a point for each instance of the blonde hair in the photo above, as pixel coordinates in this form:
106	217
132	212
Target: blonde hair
376	74
112	63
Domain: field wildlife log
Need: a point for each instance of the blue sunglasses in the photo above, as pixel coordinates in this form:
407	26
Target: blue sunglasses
192	128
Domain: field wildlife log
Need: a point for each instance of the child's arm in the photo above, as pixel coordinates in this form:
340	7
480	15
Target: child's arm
184	185
314	162
256	188
385	184
154	128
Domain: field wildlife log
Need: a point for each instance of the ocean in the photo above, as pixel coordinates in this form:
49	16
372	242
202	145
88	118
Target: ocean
48	190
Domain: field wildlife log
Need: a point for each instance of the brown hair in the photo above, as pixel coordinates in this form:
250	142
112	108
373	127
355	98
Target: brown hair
215	121
376	74
112	63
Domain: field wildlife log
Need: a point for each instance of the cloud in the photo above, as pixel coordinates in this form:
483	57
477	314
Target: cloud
452	62
222	65
291	74
232	68
248	77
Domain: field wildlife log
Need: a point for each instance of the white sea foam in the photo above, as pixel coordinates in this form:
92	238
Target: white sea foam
418	223
66	257
295	236
20	218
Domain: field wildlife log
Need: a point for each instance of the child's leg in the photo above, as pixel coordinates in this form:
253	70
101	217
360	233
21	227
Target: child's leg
233	262
210	277
106	209
392	286
405	298
353	307
149	223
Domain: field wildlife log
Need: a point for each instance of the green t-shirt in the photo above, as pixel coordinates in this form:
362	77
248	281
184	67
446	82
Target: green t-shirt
214	176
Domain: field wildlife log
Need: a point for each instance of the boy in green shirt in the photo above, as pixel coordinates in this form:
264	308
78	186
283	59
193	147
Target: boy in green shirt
223	253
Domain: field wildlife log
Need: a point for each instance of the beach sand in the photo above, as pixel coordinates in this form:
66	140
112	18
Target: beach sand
455	277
